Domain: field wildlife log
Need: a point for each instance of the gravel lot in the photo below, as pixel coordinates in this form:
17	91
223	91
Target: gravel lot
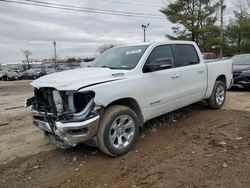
192	147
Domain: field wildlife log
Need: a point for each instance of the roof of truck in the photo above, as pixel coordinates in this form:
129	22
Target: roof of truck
161	42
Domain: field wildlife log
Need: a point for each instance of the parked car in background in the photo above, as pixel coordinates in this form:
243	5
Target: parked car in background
32	74
2	74
10	75
209	55
29	74
49	70
241	70
62	68
39	72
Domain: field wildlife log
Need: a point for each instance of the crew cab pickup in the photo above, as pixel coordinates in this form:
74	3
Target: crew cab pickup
108	102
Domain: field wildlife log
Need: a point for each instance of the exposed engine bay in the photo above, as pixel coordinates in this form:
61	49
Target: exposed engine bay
65	105
66	117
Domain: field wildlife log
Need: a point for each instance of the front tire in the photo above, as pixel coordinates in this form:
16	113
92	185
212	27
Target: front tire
118	130
218	97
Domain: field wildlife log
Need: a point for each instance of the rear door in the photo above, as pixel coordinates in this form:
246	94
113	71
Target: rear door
193	72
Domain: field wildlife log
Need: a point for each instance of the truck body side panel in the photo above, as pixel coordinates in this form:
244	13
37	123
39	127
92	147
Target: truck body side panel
216	69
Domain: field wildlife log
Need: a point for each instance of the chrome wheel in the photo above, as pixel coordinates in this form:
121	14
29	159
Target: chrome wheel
220	95
122	131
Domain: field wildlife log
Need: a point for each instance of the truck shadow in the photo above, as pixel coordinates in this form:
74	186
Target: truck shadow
171	118
166	120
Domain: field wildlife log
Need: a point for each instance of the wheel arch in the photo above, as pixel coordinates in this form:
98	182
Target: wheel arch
222	78
131	103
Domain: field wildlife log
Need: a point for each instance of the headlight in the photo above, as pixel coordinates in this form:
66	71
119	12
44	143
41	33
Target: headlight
58	101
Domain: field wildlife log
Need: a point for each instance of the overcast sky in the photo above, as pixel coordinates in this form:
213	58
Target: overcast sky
76	33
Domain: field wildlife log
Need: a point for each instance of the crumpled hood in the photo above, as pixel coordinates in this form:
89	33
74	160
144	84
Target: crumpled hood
78	78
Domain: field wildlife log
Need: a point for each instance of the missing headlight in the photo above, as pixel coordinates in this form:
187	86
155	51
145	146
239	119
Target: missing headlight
81	100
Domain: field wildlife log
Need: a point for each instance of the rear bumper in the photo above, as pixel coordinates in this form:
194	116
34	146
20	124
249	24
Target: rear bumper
66	133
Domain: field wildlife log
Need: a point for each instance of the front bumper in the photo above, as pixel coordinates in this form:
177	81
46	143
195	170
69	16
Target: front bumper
65	134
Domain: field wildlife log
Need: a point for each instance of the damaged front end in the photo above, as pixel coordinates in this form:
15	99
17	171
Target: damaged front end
66	117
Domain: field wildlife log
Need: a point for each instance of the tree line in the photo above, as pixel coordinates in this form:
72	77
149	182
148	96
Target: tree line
198	20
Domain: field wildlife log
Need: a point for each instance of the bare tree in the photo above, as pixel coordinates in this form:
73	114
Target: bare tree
105	47
27	55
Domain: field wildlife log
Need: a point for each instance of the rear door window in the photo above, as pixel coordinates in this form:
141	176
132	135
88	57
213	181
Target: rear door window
186	55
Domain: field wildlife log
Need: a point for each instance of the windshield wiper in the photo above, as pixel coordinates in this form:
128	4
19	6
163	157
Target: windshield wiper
110	67
105	67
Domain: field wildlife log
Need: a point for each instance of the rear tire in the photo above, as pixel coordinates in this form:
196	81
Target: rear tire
218	97
118	130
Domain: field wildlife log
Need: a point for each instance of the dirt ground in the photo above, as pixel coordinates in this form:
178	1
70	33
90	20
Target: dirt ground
192	147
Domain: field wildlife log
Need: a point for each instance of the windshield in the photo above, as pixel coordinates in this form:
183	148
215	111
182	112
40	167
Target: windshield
241	59
125	57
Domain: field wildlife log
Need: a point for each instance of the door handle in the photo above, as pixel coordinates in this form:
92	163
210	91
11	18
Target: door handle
201	71
175	75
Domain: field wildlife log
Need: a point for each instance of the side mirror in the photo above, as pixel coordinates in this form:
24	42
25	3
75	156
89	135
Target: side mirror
159	64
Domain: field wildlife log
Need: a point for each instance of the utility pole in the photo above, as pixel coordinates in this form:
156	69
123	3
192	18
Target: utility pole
54	43
222	7
144	27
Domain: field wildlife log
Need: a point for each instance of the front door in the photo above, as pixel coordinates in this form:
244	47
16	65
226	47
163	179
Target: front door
162	87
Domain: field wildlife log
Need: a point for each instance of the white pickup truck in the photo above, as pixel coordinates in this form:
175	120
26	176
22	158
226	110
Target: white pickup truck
107	103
